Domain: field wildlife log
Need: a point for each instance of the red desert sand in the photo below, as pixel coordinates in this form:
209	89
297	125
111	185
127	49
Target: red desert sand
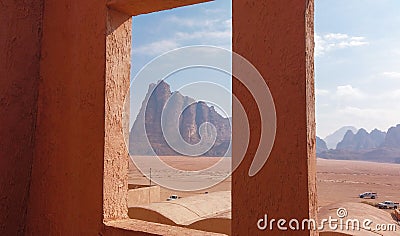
339	184
337	180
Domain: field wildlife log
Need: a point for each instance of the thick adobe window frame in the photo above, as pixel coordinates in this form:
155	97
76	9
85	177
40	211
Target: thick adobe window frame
296	68
116	156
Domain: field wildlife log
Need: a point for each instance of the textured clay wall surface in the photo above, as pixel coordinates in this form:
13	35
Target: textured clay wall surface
70	133
310	108
20	34
67	173
137	7
118	49
137	227
79	172
271	34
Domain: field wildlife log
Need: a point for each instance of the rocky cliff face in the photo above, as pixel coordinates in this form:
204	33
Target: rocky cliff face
333	139
362	140
182	114
321	145
392	139
347	142
378	137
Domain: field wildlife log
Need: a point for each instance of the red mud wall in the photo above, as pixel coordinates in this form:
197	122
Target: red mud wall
67	173
277	37
64	116
20	34
116	156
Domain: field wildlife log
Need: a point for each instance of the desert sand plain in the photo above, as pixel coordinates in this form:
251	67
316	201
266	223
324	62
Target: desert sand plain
343	181
216	176
339	184
337	180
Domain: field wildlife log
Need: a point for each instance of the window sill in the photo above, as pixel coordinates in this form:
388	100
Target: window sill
138	227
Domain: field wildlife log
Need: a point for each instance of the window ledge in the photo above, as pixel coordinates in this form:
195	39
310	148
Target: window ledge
139	227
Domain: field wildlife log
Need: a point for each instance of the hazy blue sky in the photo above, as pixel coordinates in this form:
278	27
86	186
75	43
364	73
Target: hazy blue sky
357	56
357	64
203	24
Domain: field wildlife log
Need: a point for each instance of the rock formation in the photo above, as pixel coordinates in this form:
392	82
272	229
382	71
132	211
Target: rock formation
362	140
378	137
333	139
392	139
321	145
183	117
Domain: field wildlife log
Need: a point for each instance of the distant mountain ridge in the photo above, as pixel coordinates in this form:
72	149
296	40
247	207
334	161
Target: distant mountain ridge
377	146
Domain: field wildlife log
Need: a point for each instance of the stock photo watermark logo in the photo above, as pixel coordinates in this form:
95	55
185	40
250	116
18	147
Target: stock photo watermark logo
340	222
206	57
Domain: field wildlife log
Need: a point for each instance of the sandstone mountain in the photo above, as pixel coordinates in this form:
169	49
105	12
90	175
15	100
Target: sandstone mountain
377	146
321	145
392	139
333	139
362	140
183	118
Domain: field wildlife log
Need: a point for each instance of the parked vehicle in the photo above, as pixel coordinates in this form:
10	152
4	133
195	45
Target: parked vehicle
173	197
370	195
388	205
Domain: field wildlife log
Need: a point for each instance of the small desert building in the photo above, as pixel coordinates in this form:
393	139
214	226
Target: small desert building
142	194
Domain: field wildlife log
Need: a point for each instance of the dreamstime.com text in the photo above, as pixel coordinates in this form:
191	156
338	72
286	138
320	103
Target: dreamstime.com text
332	223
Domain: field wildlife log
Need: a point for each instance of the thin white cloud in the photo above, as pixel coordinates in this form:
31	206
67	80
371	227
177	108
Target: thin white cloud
391	75
333	41
181	21
366	115
347	91
191	22
332	36
204	34
157	48
214	10
393	95
359	116
351	43
321	92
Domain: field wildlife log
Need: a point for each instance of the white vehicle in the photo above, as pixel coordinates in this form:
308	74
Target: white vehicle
172	197
369	195
388	205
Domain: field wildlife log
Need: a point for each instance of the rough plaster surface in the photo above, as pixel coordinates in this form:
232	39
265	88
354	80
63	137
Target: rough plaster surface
72	136
138	227
20	34
67	173
137	7
271	34
116	155
310	102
